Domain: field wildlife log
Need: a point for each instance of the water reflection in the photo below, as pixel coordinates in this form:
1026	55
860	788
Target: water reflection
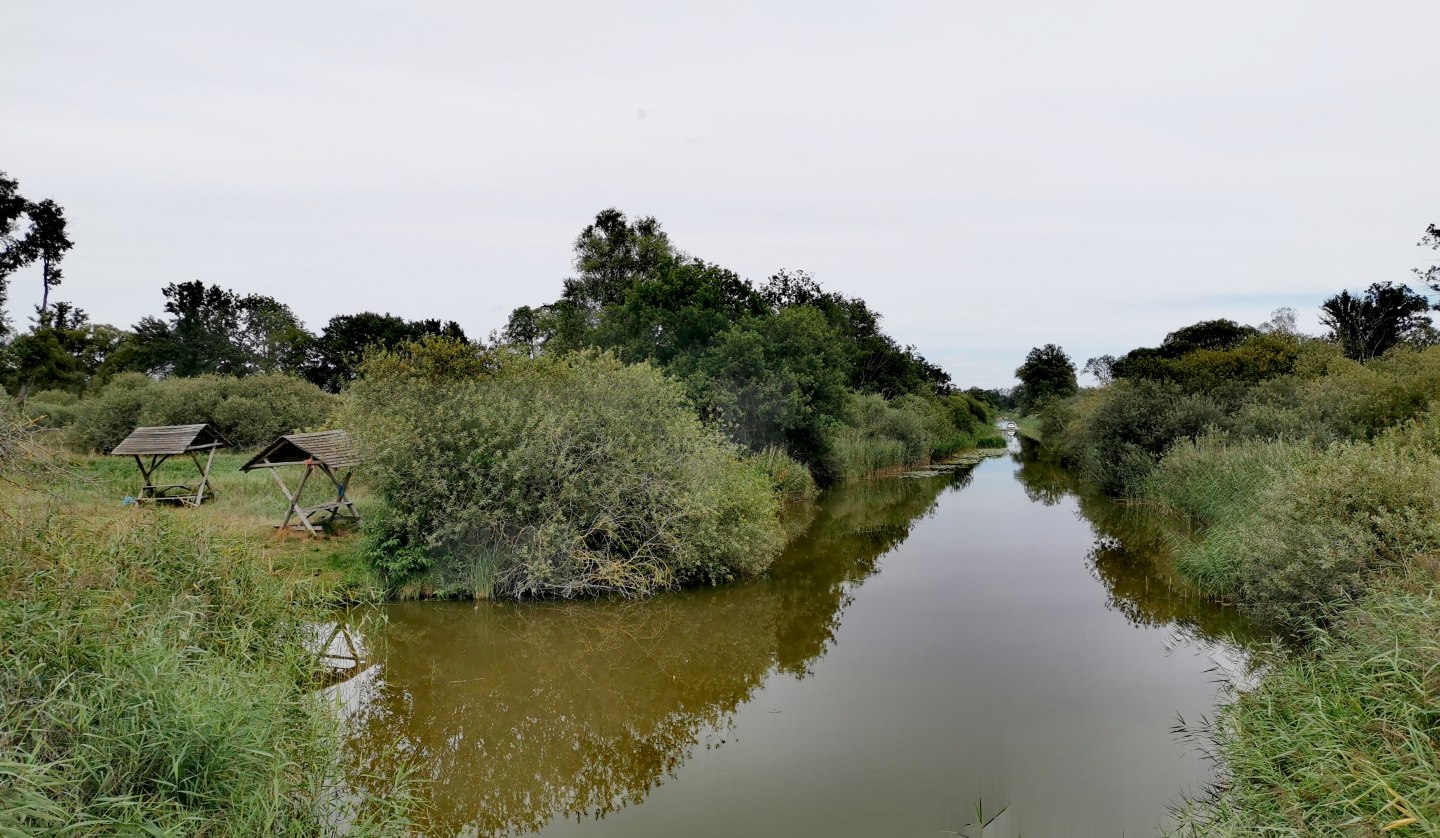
1130	556
520	713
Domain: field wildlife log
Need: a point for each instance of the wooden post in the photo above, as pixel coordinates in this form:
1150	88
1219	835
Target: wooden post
299	493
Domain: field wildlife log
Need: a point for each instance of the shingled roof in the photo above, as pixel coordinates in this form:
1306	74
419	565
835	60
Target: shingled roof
332	448
170	439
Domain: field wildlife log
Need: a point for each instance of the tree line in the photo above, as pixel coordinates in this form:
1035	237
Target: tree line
783	363
1363	326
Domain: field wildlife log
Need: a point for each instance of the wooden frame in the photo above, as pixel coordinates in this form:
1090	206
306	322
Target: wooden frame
159	444
326	452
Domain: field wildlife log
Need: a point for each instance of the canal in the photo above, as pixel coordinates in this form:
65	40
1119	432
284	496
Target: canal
975	636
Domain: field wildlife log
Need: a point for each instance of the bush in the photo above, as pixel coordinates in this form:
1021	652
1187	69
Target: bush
875	434
247	411
52	408
792	480
1296	531
577	474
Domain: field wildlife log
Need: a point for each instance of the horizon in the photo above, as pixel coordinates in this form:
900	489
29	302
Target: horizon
987	180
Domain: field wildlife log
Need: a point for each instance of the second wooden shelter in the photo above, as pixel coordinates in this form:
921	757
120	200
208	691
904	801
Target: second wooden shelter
328	452
160	443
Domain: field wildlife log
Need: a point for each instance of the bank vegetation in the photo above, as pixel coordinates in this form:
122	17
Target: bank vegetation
1304	488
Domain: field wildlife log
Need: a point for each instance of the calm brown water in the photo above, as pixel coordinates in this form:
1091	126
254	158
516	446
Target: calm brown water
929	643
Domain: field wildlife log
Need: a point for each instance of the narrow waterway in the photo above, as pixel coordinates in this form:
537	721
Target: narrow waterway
977	636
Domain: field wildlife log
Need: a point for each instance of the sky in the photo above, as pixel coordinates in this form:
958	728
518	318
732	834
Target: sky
988	176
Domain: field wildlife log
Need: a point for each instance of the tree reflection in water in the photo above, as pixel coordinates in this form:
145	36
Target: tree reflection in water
517	713
520	713
1131	557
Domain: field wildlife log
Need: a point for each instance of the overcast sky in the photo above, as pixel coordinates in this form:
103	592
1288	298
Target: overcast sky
989	176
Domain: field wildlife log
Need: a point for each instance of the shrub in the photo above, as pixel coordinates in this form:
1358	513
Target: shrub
792	480
52	408
876	434
580	475
247	411
1296	531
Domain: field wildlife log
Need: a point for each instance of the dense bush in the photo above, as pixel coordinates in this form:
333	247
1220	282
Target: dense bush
52	408
552	476
247	411
874	434
1113	436
1295	531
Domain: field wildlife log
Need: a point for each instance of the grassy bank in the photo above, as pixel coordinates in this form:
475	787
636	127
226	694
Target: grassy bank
1336	546
1304	488
156	679
1340	738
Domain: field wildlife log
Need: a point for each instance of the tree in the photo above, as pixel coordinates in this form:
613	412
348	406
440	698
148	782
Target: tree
1367	326
611	254
1430	275
47	234
44	240
215	330
1048	373
1281	322
64	351
333	359
1207	334
1102	367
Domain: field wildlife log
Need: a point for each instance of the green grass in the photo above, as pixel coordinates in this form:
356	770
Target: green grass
156	681
1339	740
155	677
245	506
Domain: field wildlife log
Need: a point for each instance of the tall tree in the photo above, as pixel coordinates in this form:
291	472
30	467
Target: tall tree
1366	326
49	242
44	239
611	254
213	329
1048	373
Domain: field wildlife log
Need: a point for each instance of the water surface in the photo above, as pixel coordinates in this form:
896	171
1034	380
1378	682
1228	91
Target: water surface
929	643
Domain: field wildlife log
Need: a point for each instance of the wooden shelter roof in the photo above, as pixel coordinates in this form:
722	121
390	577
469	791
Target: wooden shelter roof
170	439
333	448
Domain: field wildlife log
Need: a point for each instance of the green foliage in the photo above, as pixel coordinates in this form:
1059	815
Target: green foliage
156	681
1250	357
772	365
1367	326
1114	436
585	475
774	381
876	434
247	411
1338	740
44	240
792	480
52	408
65	351
1298	531
214	330
1047	374
332	360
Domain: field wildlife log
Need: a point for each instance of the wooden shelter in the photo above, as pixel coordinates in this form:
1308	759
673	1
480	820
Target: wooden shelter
160	443
328	452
